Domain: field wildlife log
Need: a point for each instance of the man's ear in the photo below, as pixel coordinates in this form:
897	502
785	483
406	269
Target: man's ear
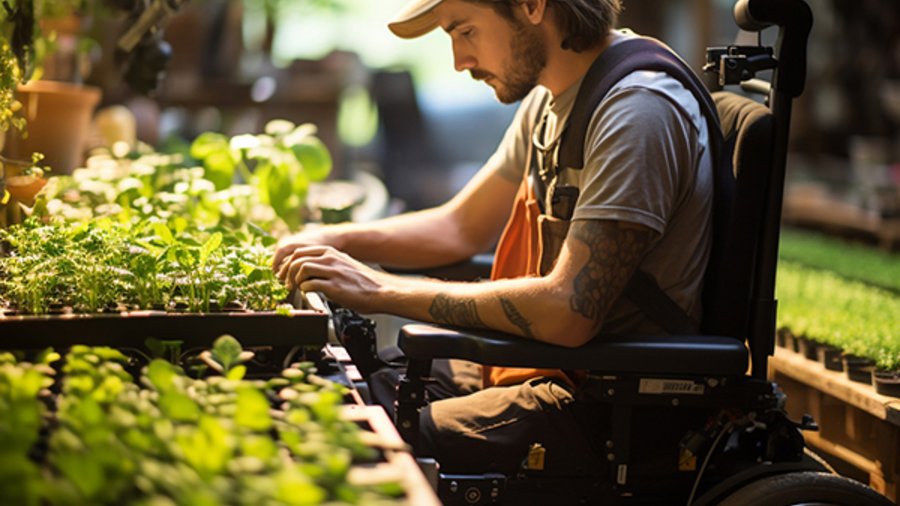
533	10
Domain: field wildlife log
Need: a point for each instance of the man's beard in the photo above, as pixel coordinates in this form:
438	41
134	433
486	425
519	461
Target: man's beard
521	72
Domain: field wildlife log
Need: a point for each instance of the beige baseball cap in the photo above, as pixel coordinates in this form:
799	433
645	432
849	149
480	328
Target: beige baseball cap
415	19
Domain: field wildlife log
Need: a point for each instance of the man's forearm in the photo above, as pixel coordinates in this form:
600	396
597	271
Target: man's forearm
413	240
566	307
533	308
466	225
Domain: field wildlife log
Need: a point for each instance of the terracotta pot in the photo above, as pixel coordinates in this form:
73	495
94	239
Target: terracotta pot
22	187
25	188
59	117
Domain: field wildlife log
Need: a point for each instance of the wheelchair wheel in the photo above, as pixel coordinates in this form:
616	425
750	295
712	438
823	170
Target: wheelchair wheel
806	488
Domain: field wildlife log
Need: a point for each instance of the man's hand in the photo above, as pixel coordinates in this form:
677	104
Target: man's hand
310	236
341	278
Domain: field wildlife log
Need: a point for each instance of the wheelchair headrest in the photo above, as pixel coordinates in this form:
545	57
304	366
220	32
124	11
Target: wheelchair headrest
748	128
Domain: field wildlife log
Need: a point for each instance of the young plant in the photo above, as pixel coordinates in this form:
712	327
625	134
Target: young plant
279	164
216	440
850	315
226	357
102	264
22	413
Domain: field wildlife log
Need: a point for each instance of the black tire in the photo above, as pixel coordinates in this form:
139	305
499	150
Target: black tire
805	488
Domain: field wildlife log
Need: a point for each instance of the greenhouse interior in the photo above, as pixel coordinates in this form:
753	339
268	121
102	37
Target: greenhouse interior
337	252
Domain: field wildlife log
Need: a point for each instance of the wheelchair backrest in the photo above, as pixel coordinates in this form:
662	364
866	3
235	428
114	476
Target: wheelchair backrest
740	285
738	214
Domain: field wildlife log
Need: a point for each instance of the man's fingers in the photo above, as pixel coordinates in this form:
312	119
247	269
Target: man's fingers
301	254
280	254
291	249
314	250
315	285
305	270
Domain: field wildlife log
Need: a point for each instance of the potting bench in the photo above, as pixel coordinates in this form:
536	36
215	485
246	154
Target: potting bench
857	426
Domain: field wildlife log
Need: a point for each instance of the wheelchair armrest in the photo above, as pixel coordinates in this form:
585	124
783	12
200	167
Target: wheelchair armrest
670	355
475	268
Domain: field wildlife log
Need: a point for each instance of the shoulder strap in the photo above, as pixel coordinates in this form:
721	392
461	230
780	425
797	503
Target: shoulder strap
610	67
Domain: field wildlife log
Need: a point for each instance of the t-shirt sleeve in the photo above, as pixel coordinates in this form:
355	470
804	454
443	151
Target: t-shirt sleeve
509	160
637	148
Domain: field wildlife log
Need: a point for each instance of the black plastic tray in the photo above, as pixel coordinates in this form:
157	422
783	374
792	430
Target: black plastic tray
306	327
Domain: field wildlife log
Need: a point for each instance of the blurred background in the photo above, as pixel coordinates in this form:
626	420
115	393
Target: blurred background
397	109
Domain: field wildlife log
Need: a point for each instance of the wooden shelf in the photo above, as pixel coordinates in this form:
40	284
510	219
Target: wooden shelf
857	426
400	465
837	385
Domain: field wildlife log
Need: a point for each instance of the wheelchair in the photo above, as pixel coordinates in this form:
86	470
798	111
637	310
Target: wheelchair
687	419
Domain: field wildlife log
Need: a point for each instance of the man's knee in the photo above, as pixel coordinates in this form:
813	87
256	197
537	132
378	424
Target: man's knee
492	430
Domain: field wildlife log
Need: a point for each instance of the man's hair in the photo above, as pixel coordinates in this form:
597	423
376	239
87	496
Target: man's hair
583	23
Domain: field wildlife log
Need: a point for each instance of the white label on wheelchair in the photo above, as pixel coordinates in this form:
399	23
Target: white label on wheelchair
669	386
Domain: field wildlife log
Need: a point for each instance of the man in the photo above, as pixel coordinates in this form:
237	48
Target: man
641	201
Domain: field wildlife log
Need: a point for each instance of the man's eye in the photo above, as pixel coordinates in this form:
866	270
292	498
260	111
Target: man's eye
466	33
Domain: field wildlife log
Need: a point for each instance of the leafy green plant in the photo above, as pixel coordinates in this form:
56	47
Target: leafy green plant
102	264
226	357
150	185
856	317
21	412
18	25
279	164
261	179
171	439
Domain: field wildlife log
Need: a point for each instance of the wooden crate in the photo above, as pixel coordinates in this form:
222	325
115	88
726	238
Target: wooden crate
856	425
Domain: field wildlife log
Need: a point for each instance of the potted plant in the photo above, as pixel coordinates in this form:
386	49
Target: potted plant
43	115
830	357
887	381
843	314
886	351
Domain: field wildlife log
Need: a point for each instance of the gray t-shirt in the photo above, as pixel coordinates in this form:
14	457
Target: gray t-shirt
647	161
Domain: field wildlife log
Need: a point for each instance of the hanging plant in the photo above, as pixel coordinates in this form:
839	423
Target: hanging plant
18	27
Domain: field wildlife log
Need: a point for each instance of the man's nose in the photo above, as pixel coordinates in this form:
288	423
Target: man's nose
463	60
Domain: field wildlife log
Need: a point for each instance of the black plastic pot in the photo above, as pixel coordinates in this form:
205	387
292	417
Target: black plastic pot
886	382
301	327
790	341
859	369
830	357
807	347
781	336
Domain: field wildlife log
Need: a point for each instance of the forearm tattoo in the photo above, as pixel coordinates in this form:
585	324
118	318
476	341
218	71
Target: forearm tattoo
516	318
615	254
460	312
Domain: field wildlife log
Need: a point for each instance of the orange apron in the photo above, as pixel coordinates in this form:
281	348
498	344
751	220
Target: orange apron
519	255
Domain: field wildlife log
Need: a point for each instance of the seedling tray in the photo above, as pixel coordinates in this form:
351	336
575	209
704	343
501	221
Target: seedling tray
306	327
